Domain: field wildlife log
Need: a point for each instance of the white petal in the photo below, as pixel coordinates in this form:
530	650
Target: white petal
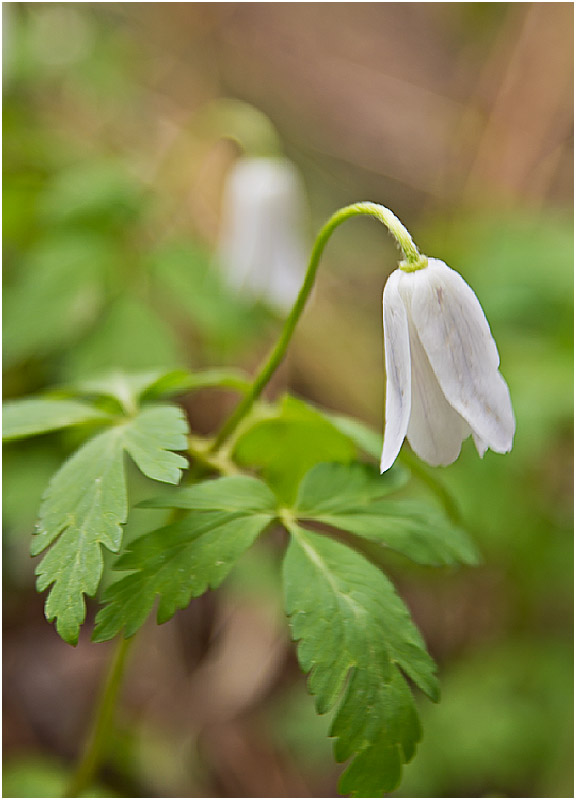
457	340
481	445
397	353
435	431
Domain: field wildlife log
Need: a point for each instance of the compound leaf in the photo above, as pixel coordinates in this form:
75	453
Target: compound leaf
183	560
85	506
356	639
349	497
35	415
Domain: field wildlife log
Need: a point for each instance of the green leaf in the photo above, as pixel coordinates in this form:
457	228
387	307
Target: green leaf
185	277
235	493
335	487
284	446
97	192
151	436
36	415
363	437
56	297
85	506
183	560
83	509
130	336
132	388
355	639
347	496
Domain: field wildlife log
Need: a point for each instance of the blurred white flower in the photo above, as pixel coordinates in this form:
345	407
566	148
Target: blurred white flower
442	378
261	250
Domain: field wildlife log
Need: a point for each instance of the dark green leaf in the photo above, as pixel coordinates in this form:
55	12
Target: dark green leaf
36	415
329	488
183	560
347	496
354	636
234	493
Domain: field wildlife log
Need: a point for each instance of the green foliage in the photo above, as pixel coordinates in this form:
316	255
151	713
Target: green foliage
36	415
85	505
283	446
355	635
348	497
56	296
129	336
129	389
183	560
99	192
186	276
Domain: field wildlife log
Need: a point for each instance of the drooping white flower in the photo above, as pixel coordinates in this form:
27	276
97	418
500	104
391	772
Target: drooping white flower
261	250
442	378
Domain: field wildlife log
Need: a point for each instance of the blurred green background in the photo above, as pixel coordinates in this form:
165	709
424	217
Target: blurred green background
458	116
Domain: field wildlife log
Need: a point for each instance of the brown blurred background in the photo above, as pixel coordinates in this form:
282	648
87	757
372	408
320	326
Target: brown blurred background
458	116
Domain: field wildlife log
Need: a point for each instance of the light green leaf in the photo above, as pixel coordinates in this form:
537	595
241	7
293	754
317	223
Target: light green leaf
185	278
131	336
132	388
151	436
56	297
83	509
347	496
85	506
363	437
284	446
35	415
183	560
354	636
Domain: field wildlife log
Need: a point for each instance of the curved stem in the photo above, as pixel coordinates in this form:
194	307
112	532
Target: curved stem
414	260
88	764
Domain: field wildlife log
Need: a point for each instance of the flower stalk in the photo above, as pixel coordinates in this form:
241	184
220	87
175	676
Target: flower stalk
413	260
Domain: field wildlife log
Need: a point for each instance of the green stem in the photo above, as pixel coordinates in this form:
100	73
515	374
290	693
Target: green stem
99	734
414	260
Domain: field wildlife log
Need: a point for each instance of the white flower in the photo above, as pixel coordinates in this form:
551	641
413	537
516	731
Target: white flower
442	378
260	247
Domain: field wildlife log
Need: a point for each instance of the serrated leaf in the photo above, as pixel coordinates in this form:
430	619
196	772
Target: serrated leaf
83	509
183	560
346	496
284	446
151	436
85	506
35	415
354	636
